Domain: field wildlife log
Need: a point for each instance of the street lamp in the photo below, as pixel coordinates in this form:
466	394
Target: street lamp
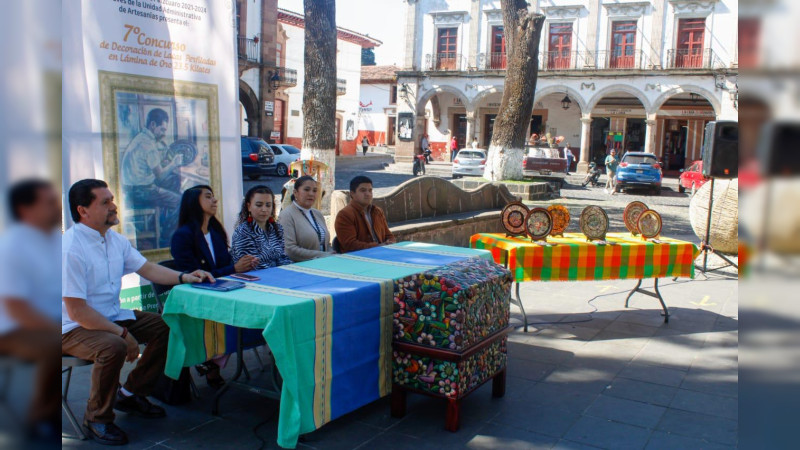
274	80
566	102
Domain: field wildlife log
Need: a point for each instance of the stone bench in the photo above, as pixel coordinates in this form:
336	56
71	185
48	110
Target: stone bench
431	209
541	190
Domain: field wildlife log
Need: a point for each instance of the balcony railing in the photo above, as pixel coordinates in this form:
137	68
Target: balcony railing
685	58
562	60
606	60
341	86
566	60
492	61
249	49
444	62
283	77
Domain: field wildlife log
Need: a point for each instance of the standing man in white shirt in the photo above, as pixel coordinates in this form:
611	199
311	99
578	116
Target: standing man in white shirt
93	326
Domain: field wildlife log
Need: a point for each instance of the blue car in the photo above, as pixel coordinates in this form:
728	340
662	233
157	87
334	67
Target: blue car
639	170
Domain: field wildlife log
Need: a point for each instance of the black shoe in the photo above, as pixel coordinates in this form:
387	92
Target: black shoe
139	406
210	370
105	433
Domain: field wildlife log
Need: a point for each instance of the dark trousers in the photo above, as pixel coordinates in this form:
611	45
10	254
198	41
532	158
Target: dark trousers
364	149
40	348
108	351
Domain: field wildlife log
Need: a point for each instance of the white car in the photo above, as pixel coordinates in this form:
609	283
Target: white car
469	161
285	155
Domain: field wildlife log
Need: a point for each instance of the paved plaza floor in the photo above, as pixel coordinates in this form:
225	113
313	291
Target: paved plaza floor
589	373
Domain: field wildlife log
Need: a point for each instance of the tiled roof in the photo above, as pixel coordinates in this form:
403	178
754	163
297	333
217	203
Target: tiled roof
378	73
297	19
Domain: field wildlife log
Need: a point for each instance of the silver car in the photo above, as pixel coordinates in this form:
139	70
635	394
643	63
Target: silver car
469	161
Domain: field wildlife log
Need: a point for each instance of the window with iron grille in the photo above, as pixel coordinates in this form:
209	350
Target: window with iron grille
446	48
691	36
623	44
560	46
497	57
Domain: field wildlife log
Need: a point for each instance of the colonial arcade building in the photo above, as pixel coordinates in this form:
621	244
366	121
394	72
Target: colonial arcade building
630	75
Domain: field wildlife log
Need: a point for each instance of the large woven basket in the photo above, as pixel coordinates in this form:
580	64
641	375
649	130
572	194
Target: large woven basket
724	236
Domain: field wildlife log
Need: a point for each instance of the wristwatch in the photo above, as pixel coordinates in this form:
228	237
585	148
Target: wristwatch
180	277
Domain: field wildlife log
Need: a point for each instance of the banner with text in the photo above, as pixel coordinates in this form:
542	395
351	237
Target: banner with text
150	93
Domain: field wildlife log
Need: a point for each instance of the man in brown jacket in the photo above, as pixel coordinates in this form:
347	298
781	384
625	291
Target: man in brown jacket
360	224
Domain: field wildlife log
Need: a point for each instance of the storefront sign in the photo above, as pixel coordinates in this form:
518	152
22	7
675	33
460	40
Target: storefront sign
686	112
269	106
275	135
617	111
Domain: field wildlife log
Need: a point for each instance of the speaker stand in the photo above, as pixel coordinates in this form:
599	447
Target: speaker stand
704	247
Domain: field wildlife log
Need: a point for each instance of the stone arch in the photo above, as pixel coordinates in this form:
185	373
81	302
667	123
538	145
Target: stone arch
573	95
249	100
473	105
619	88
437	90
686	89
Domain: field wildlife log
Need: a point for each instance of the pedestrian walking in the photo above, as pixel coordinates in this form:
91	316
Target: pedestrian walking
570	157
364	145
611	171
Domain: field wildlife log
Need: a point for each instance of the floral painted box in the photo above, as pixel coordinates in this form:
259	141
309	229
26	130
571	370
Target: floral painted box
454	306
450	334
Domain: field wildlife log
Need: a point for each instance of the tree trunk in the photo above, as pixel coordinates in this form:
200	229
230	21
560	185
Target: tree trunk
523	31
319	90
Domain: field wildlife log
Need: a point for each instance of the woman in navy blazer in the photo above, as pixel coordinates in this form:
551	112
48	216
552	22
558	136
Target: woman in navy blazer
197	227
200	242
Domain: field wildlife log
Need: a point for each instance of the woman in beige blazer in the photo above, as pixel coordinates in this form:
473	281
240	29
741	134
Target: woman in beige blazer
305	233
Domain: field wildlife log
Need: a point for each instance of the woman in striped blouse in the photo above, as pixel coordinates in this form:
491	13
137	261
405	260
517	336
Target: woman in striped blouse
257	233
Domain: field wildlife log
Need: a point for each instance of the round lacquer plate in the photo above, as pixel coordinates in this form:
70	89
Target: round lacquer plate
513	218
594	222
631	216
650	224
538	224
560	215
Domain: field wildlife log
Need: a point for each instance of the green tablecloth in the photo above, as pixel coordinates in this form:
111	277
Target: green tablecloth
327	321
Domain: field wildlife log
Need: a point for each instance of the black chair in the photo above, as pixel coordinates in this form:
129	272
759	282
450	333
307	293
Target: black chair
67	363
161	289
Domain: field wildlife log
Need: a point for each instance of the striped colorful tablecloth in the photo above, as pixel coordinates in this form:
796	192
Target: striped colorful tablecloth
328	322
573	258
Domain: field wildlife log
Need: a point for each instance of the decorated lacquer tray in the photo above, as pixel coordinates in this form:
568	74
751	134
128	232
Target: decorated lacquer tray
513	218
650	224
631	216
561	218
594	223
538	224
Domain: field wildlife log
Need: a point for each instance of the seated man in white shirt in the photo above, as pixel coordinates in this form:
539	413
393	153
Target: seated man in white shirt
29	311
93	326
